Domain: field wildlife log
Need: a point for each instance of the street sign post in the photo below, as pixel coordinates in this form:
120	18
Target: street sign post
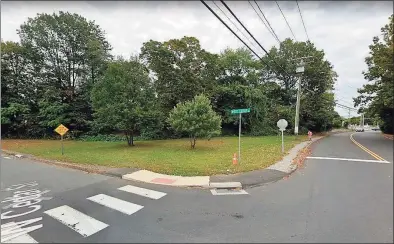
61	130
282	124
240	111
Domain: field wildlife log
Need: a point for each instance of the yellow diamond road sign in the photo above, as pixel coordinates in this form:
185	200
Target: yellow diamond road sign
61	129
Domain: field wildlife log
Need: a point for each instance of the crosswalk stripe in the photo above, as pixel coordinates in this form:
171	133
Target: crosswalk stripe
143	192
80	222
115	203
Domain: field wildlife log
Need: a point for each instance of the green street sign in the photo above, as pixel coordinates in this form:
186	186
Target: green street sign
240	111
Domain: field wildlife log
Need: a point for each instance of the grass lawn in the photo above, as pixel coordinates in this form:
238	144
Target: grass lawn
165	156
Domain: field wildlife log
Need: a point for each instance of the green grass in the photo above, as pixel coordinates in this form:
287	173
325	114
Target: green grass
165	156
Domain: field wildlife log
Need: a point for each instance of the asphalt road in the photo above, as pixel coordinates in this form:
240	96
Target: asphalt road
329	200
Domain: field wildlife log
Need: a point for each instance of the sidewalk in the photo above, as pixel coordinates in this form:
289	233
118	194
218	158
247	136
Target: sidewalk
155	178
273	173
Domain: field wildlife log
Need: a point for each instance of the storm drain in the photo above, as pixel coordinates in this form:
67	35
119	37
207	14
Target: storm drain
219	192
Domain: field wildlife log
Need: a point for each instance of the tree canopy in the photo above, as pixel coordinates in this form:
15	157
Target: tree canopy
62	71
376	97
123	98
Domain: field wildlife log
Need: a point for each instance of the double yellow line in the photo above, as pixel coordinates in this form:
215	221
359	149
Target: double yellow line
366	149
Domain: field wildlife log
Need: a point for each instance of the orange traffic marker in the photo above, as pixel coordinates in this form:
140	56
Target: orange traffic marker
235	160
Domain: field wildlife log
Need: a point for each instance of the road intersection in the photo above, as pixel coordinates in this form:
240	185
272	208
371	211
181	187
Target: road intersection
329	200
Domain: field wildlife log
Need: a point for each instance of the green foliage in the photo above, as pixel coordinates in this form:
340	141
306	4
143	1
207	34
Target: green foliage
196	118
62	72
181	68
102	137
377	96
68	53
124	100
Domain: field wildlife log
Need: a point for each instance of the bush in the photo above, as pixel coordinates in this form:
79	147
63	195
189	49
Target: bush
101	137
196	118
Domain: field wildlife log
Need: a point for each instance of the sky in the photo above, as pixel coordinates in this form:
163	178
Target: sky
343	29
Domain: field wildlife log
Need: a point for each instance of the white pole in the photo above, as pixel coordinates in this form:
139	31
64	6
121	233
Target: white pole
239	140
283	147
297	107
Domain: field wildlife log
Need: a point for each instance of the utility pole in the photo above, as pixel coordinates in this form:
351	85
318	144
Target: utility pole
361	120
299	70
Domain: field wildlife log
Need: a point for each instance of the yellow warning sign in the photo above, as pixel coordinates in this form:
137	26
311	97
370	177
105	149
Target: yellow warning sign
61	129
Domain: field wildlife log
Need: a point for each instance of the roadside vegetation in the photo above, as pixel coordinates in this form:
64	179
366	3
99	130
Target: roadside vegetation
164	156
61	71
376	98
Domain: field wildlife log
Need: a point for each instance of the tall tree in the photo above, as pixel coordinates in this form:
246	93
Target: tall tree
378	95
181	69
123	99
317	81
69	53
243	82
18	93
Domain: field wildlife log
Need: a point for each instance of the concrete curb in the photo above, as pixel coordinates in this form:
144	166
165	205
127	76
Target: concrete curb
273	173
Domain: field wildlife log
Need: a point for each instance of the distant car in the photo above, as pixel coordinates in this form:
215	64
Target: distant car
375	128
359	129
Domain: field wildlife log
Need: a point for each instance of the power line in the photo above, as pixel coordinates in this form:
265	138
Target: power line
286	20
344	101
266	20
269	30
234	24
232	13
224	23
299	10
256	42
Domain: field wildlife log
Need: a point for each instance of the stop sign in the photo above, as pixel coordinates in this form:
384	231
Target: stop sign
282	124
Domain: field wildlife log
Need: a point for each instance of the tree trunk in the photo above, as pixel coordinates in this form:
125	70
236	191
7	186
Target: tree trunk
130	138
192	142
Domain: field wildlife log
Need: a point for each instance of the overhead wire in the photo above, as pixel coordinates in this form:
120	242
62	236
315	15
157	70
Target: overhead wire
286	20
268	28
213	12
302	19
224	23
267	20
232	13
234	25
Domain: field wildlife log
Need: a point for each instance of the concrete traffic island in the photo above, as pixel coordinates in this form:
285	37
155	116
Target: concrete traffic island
236	181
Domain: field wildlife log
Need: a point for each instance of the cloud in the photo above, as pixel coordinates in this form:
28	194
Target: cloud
343	29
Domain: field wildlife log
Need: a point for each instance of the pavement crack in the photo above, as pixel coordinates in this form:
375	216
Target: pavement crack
237	216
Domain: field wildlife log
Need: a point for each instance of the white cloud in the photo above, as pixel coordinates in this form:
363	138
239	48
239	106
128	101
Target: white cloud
342	29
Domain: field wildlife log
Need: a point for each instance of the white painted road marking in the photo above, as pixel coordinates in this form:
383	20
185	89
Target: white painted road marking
117	204
14	233
80	222
143	192
350	159
25	238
